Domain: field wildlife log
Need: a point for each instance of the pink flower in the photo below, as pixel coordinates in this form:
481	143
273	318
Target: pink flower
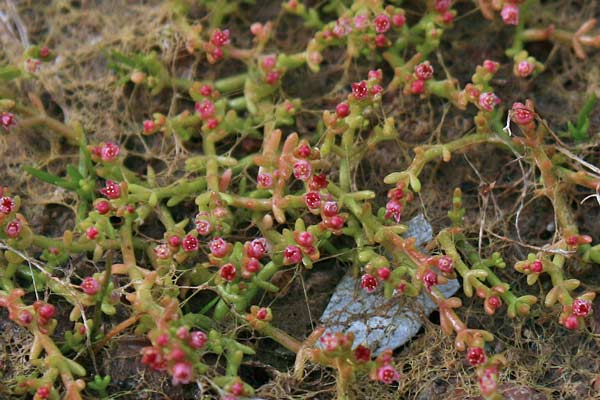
7	205
197	339
218	247
24	317
227	272
491	66
302	170
13	228
524	69
393	210
521	114
387	374
368	283
220	37
112	190
7	119
206	109
329	341
203	225
264	180
488	101
189	244
510	14
330	208
429	279
476	356
269	62
312	200
382	23
487	381
292	255
206	90
304	239
303	150
109	151
445	264
360	22
360	91
318	181
162	251
182	373
581	307
90	285
342	28
424	71
257	248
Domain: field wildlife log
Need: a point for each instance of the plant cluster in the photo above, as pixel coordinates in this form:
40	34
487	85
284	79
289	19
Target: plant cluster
267	199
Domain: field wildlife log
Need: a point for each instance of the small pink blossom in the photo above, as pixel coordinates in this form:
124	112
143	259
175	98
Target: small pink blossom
525	68
109	151
488	101
111	190
182	373
302	170
382	23
510	14
387	374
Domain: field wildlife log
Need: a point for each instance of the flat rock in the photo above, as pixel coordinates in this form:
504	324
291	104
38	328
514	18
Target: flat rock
378	322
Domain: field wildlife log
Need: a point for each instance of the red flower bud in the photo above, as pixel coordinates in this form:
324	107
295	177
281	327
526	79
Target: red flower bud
304	239
312	200
342	110
46	311
92	232
384	273
102	206
7	205
90	285
292	255
197	339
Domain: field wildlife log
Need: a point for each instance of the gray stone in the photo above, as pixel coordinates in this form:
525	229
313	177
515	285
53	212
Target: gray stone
378	322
